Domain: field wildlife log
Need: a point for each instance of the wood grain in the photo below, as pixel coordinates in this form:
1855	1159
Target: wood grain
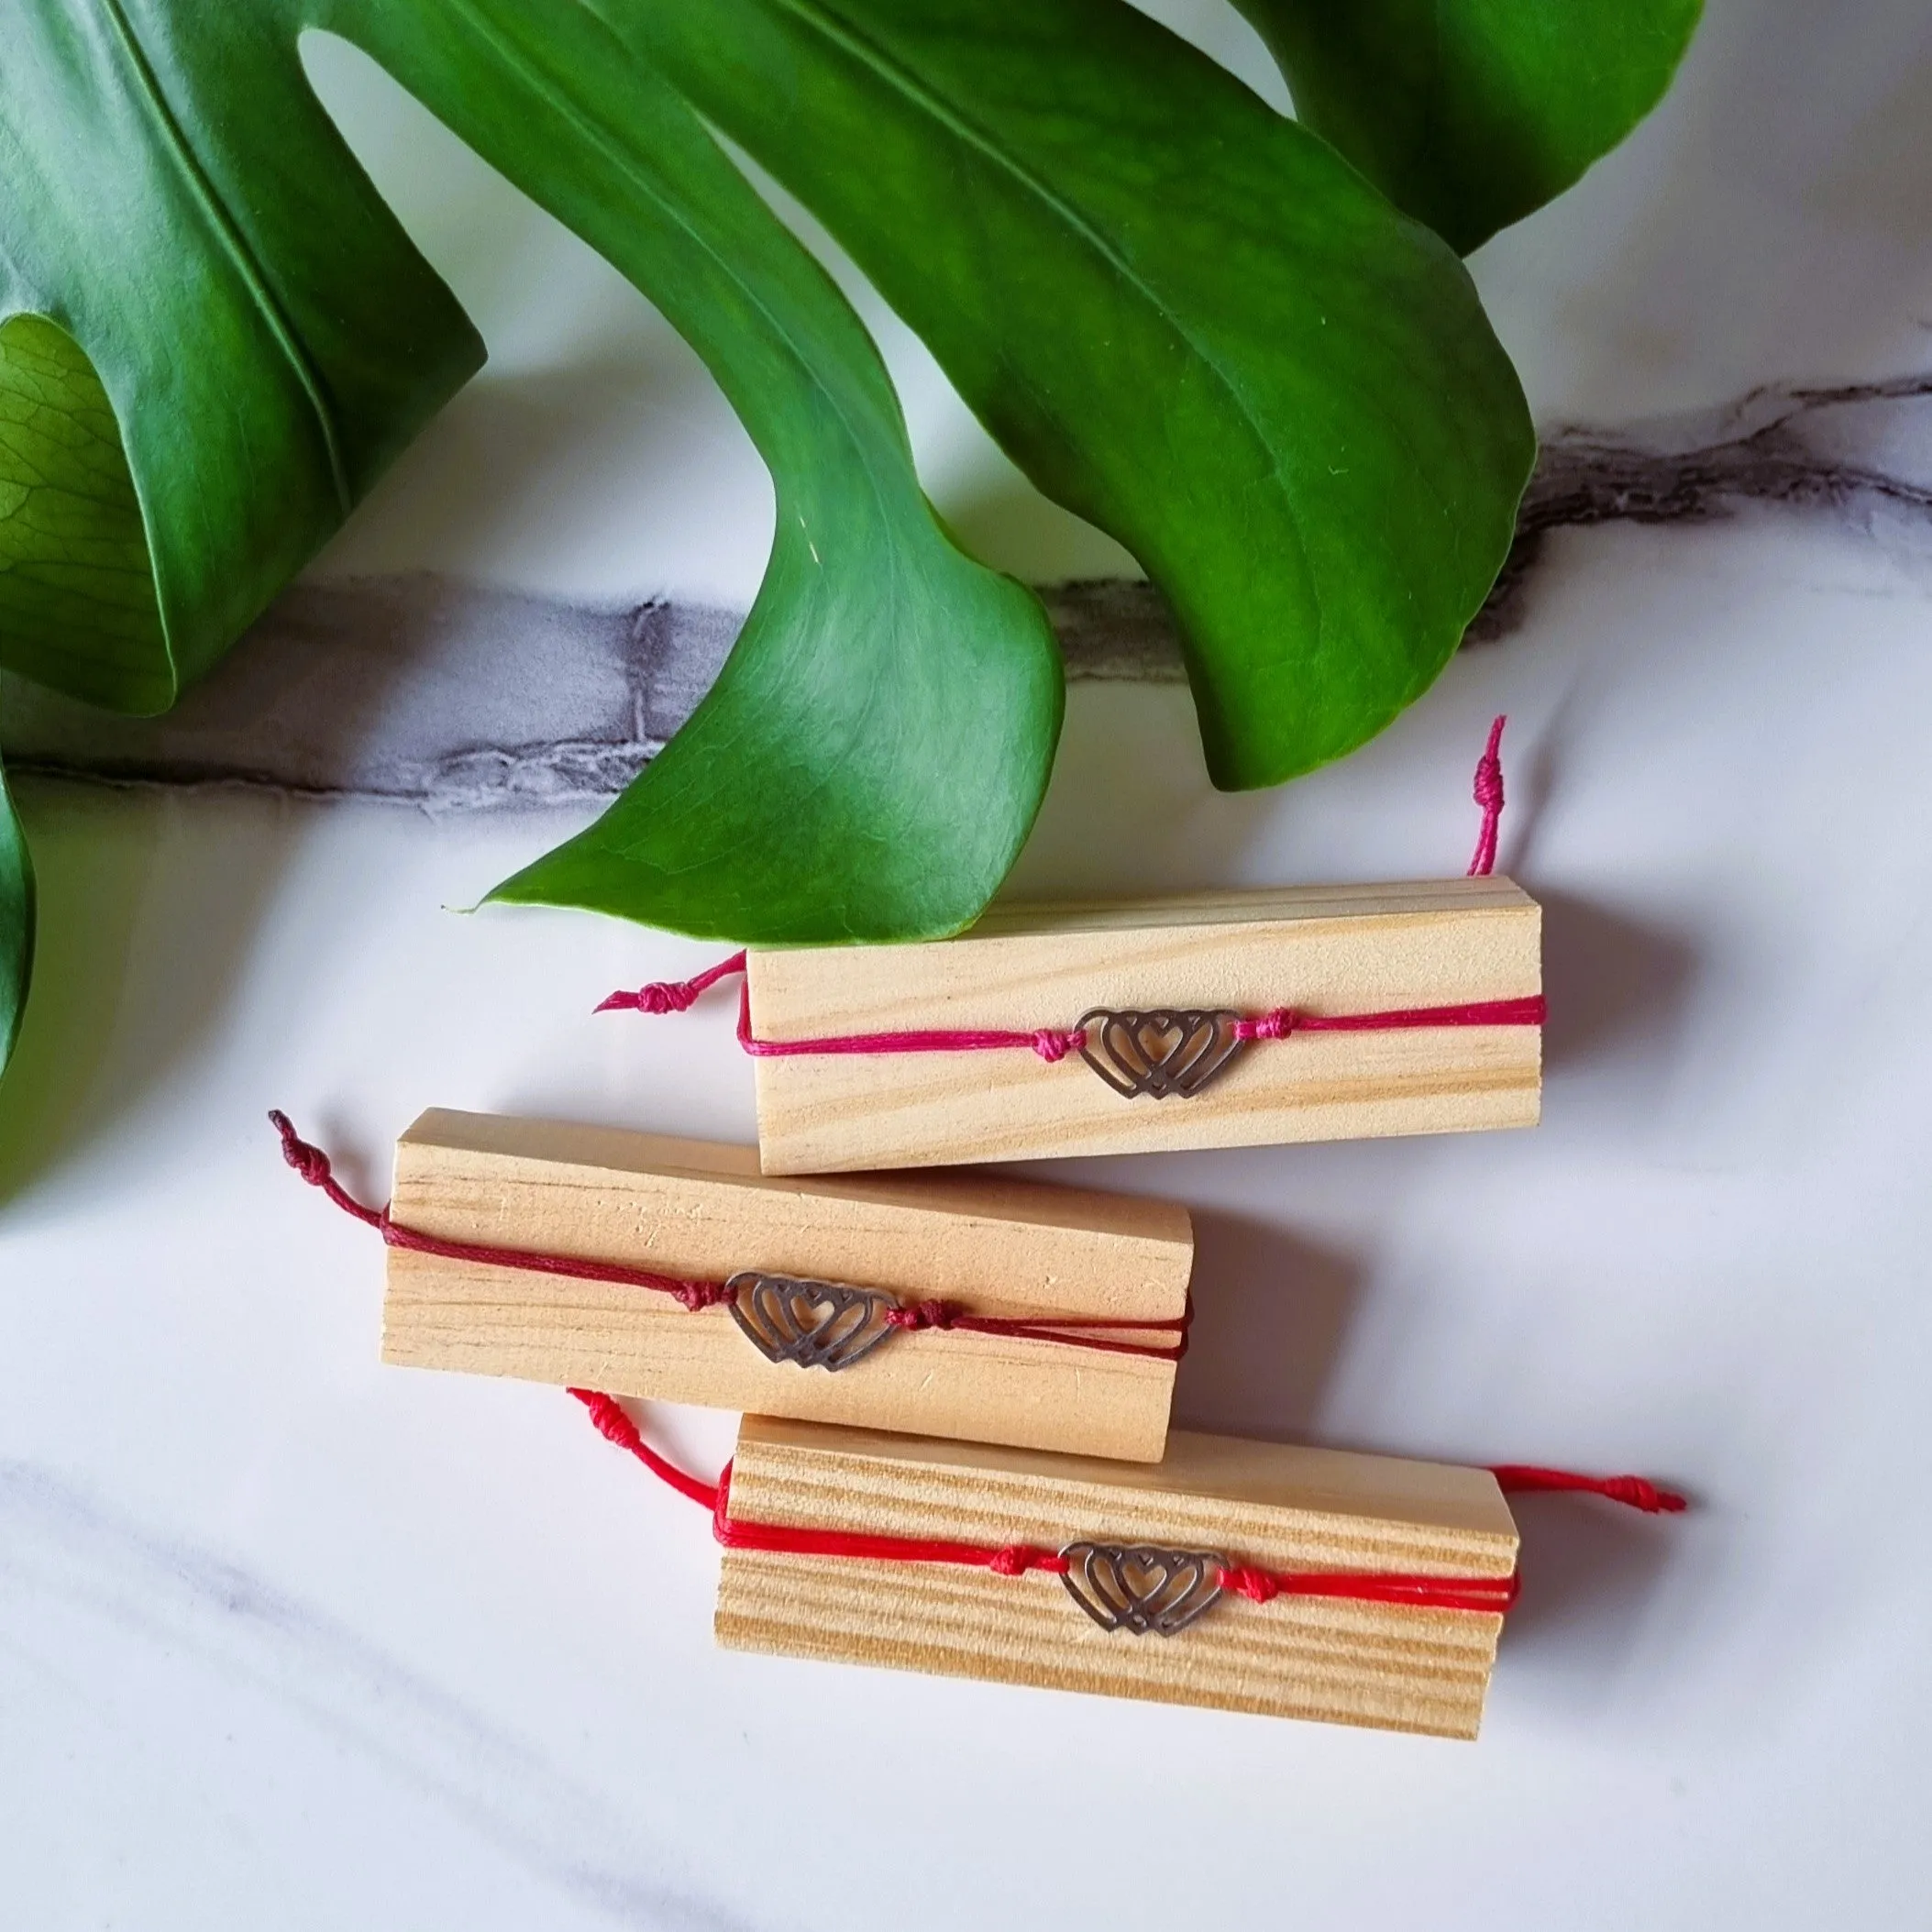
1265	1504
694	1208
1341	949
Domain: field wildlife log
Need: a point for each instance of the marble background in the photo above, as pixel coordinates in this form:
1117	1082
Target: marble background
287	1639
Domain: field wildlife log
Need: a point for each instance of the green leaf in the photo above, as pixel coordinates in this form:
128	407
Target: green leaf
871	760
874	757
178	202
77	605
1471	114
16	924
1185	318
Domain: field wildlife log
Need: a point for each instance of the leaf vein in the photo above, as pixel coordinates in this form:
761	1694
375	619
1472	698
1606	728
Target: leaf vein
234	243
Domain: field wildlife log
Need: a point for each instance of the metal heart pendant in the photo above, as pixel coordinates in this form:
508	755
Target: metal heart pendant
1163	1050
816	1324
1138	1588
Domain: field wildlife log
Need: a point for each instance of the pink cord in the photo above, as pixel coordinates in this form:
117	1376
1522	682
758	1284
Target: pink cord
1286	1019
672	996
1489	796
1054	1043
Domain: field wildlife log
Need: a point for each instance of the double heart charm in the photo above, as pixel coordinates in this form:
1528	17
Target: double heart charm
1161	1051
1138	1588
816	1324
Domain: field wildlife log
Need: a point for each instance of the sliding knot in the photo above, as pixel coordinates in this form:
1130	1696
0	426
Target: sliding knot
1489	782
661	995
609	1419
307	1161
922	1315
1633	1492
667	995
312	1165
1052	1044
692	1296
1489	796
672	996
1256	1585
1639	1493
1015	1560
1275	1025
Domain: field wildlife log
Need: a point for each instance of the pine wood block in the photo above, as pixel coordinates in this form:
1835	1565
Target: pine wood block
1327	950
1258	1503
701	1211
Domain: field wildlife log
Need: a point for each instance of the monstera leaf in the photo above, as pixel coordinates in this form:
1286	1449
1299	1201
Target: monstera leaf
77	598
1472	114
1187	318
1181	314
268	340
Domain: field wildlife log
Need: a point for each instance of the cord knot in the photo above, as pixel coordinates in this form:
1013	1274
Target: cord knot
1489	796
922	1315
693	1296
672	996
1633	1492
308	1161
661	995
609	1420
1641	1493
1256	1585
1053	1045
1277	1025
1015	1560
1489	782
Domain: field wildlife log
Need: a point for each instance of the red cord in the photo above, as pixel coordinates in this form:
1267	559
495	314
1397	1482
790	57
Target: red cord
1070	1330
1489	1595
1633	1492
607	1417
312	1165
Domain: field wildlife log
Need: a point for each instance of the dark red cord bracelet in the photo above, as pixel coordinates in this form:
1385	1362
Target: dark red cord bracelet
929	1315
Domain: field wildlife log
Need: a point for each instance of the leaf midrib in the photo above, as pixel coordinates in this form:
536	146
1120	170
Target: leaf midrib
841	33
894	75
233	242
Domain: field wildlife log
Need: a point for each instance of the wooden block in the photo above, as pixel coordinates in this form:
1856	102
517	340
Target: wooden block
997	1247
1327	950
1393	1667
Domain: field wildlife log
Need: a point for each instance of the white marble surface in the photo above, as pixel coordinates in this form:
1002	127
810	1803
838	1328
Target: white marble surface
287	1639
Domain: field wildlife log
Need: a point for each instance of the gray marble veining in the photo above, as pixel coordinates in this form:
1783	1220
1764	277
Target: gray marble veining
421	690
78	1578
